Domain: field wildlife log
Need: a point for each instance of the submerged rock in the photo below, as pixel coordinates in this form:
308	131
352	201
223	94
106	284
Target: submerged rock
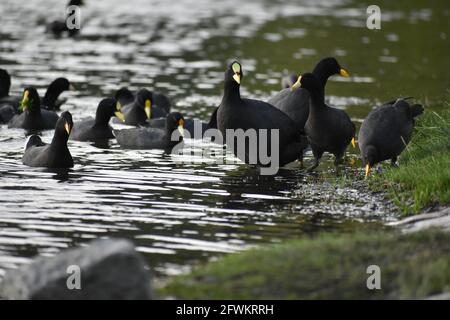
106	269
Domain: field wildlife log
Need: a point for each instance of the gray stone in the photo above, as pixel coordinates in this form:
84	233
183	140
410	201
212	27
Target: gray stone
441	296
437	219
109	269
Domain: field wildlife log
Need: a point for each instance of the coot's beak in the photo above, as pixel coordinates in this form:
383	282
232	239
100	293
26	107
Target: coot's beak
72	87
181	127
68	128
237	77
354	142
148	108
367	170
25	101
119	115
297	84
237	72
344	73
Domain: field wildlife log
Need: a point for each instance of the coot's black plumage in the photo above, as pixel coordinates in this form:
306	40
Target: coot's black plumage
328	129
5	84
137	112
386	131
53	155
294	101
143	105
8	104
152	138
91	129
160	105
55	88
196	128
33	118
237	113
213	120
7	112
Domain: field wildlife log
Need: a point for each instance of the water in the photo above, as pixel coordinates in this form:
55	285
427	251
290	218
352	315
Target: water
180	214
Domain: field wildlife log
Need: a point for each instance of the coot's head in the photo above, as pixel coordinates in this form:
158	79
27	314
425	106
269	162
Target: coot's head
64	124
175	120
369	157
108	108
31	101
234	73
124	93
328	67
144	99
60	85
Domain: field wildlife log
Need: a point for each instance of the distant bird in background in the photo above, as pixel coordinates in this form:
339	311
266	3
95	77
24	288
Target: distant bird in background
288	80
59	27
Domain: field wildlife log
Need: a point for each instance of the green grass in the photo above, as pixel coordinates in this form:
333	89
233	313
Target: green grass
423	177
329	267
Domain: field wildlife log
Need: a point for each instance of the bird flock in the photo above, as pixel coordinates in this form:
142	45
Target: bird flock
298	113
297	116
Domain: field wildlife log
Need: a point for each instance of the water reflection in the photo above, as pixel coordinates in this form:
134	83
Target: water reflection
61	175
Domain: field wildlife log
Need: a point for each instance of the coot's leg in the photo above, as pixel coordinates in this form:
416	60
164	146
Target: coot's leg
300	159
338	158
317	156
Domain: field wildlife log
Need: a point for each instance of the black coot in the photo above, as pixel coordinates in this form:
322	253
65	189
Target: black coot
328	129
142	106
236	113
53	155
98	129
161	104
386	131
294	101
153	138
54	90
33	118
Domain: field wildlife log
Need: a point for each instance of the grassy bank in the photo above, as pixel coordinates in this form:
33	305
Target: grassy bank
423	177
329	267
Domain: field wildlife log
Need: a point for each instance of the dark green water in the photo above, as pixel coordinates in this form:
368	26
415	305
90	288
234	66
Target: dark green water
179	214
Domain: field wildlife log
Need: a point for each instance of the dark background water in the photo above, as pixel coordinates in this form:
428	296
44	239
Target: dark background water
179	214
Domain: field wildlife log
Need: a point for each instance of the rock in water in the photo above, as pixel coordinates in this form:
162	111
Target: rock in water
109	269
